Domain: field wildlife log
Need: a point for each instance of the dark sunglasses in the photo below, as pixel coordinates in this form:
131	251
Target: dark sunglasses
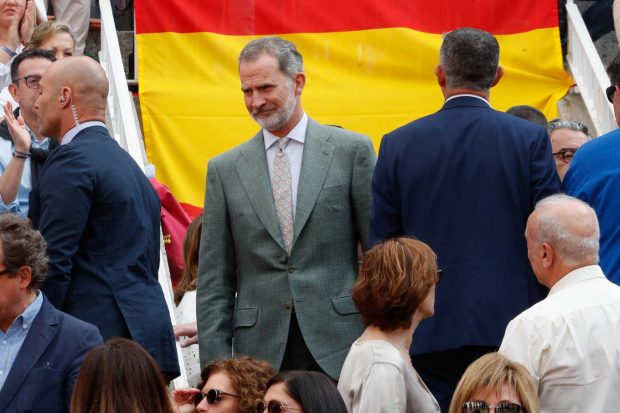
213	396
274	406
477	406
610	92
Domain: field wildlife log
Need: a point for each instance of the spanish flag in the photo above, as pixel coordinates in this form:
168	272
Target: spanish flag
369	67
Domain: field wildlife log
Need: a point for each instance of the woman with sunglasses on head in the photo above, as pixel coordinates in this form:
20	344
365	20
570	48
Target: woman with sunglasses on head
301	392
233	385
495	384
120	376
394	292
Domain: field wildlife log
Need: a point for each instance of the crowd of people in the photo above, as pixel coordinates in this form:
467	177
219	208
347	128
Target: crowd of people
449	273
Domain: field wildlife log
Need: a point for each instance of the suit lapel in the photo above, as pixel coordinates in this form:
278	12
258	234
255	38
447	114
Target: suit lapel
317	157
42	331
254	175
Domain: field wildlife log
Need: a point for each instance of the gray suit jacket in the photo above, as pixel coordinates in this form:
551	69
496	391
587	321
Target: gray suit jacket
242	251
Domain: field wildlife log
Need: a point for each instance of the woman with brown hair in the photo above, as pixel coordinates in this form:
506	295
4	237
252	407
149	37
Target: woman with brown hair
494	383
120	376
394	292
235	385
185	297
53	36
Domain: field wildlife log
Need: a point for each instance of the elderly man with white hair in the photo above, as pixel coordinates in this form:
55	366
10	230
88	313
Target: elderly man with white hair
570	341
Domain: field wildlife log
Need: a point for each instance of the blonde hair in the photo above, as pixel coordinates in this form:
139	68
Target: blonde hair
46	30
492	371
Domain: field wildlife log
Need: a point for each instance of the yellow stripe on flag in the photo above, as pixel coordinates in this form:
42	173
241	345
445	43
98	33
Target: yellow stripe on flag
370	81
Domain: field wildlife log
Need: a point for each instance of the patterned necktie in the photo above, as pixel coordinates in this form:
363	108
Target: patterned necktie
282	193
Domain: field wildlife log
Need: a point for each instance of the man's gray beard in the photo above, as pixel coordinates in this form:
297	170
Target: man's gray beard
282	115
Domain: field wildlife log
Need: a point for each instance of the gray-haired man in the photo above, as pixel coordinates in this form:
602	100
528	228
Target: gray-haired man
570	340
284	215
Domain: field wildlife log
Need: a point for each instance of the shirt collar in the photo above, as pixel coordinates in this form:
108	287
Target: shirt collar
27	317
576	276
298	133
70	135
468	95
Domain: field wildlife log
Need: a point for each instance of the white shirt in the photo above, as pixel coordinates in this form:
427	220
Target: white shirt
294	150
570	342
185	312
71	133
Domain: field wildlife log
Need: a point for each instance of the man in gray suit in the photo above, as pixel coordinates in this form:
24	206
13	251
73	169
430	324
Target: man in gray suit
284	215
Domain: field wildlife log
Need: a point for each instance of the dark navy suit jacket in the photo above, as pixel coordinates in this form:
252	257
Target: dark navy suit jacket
47	365
101	217
464	180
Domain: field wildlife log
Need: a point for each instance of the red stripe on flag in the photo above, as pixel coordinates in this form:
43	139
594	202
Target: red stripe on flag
262	17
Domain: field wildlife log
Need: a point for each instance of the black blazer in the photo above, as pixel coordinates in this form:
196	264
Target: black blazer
101	217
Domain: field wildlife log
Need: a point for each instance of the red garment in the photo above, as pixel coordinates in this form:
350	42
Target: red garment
174	223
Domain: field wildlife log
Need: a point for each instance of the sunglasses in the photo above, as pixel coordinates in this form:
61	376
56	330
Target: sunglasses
610	91
482	407
213	396
274	406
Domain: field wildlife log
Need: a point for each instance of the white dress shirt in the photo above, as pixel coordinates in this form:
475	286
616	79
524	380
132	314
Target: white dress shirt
570	342
294	150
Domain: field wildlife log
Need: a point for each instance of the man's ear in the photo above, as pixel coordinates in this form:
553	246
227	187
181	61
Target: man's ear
13	91
548	255
25	273
441	76
498	75
299	80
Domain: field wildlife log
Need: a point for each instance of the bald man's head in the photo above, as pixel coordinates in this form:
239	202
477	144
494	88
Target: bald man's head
570	226
73	90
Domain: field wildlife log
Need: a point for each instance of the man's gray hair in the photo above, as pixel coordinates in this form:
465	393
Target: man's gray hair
573	125
574	248
469	58
289	59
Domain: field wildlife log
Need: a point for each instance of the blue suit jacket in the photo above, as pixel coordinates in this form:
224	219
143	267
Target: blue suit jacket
594	176
47	365
464	180
100	217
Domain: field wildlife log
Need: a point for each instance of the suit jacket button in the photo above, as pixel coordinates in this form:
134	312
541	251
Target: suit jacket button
291	270
288	305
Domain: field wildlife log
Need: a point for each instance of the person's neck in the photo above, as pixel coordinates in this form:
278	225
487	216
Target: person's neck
400	338
33	125
20	307
290	125
69	124
7	38
448	93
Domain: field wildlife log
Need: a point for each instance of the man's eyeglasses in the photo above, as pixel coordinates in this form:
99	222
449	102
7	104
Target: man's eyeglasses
565	155
274	406
32	81
610	91
477	406
213	396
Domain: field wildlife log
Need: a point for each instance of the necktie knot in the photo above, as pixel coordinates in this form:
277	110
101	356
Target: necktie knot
282	142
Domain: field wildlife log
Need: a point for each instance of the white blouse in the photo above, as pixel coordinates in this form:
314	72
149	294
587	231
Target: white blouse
376	378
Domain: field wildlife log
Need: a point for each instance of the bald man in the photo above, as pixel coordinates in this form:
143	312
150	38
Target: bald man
569	341
99	216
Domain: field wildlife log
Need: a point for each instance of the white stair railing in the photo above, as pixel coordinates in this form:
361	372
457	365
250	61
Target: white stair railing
588	71
122	121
